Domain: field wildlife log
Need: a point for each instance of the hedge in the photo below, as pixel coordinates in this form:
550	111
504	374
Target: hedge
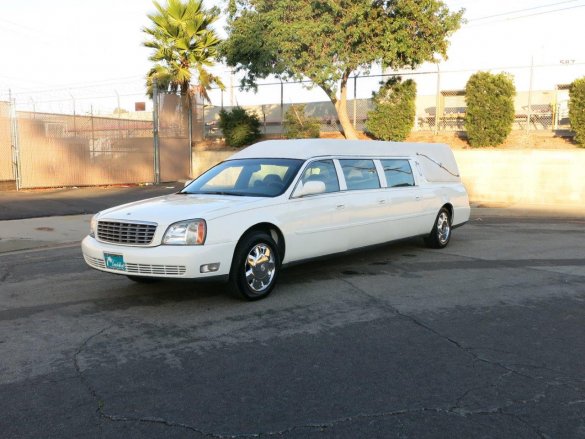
490	108
577	109
394	110
239	127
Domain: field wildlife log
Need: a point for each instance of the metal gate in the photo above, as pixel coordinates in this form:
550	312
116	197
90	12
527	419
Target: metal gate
55	150
174	136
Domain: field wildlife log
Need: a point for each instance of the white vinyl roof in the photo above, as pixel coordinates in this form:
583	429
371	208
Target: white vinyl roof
436	159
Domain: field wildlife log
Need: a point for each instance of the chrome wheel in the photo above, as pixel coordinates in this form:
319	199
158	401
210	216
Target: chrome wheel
441	233
260	267
443	228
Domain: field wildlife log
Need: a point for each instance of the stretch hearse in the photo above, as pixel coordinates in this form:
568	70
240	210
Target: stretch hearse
283	201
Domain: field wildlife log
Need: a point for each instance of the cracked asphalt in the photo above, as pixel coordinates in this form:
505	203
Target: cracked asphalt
483	339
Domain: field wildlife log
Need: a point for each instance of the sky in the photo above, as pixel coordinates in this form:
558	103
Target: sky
75	52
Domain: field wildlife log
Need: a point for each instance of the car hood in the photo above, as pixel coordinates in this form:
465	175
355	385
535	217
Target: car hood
177	207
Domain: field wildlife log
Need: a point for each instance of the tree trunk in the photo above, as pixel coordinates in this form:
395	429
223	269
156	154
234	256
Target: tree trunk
341	107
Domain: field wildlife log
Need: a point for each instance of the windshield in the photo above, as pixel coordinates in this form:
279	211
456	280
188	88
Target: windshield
247	177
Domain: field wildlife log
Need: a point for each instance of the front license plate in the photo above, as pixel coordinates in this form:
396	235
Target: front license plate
115	262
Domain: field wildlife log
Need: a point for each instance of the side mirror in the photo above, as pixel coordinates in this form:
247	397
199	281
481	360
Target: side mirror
187	183
309	188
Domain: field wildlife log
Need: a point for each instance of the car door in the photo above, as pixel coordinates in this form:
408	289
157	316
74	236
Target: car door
405	206
314	224
365	202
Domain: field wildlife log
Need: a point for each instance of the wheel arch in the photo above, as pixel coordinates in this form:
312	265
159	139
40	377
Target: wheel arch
270	229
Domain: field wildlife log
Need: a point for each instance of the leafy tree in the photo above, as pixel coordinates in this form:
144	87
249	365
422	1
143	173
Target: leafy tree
326	41
298	126
394	110
577	109
183	40
490	108
239	127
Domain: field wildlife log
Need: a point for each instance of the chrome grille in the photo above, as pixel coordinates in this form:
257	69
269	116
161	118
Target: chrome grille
170	270
94	262
161	270
135	233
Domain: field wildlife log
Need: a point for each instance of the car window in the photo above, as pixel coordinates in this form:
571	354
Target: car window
322	170
360	174
398	173
266	170
247	177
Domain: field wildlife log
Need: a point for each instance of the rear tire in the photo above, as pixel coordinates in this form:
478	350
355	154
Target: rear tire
441	233
255	267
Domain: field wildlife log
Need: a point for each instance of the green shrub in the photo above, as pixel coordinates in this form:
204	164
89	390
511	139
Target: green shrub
490	108
239	127
298	126
577	109
394	110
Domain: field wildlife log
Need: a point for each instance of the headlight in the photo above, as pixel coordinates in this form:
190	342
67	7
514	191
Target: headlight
93	225
190	232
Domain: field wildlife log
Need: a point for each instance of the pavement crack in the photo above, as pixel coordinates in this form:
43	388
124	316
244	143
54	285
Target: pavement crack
80	374
467	350
537	431
115	418
455	409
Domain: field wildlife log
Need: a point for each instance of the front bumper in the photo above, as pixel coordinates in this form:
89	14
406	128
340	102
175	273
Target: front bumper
167	261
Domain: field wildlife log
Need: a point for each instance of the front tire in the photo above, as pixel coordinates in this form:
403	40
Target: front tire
441	233
255	267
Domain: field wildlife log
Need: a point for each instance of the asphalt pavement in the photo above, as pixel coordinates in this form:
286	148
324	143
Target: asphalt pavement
483	339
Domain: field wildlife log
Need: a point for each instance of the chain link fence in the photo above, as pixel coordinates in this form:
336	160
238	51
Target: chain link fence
541	101
77	147
99	137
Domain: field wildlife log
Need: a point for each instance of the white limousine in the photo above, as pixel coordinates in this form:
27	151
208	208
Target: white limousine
283	201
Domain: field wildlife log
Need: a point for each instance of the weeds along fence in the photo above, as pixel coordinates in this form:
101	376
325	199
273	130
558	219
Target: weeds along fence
51	149
541	102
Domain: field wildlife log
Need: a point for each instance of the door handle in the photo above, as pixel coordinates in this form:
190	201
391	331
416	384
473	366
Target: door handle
341	206
381	201
418	198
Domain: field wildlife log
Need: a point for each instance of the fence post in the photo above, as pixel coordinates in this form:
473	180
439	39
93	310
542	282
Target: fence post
203	118
92	133
155	126
438	99
74	116
281	107
355	101
529	111
190	124
119	113
14	141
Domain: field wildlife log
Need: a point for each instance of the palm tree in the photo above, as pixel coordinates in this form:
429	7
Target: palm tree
183	42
